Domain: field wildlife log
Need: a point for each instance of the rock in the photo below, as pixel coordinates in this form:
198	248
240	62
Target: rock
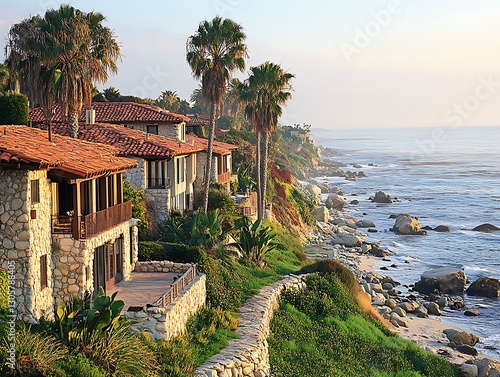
468	370
471	313
313	189
421	311
347	239
433	309
468	350
378	252
321	214
381	197
334	201
442	229
371	230
442	302
485	287
407	224
362	174
365	224
398	321
391	303
399	311
486	367
486	228
458	338
393	216
354	202
445	280
407	307
427	227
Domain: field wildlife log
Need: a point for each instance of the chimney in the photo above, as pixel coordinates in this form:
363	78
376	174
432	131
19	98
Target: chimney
90	116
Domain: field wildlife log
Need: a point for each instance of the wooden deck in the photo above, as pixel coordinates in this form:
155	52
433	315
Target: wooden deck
143	288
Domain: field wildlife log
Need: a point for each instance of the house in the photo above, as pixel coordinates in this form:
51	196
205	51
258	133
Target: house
154	120
221	161
197	124
65	228
147	118
166	168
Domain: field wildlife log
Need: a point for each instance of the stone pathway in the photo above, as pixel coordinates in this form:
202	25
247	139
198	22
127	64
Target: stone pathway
143	288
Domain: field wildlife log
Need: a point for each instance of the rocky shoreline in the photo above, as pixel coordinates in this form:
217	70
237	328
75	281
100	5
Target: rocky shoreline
413	315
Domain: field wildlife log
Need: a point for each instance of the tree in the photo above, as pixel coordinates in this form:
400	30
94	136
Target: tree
214	52
60	57
264	93
4	78
169	100
112	94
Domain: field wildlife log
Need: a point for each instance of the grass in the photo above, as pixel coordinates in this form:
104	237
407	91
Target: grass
324	332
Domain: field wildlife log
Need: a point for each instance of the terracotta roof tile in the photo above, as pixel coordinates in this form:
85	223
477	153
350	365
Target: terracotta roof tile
219	147
130	142
199	120
25	145
118	112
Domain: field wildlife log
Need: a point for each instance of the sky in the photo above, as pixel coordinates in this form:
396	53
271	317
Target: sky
358	63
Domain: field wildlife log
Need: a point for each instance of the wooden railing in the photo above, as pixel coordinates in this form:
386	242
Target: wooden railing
104	220
248	207
177	287
224	177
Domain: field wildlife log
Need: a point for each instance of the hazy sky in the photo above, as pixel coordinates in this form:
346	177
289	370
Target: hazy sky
358	63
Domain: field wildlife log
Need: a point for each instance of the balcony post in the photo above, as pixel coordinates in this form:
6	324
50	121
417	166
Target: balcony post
77	211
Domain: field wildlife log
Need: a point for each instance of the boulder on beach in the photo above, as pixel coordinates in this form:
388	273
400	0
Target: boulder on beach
365	224
334	201
457	337
354	202
486	228
321	214
347	239
407	224
381	197
445	280
313	189
485	287
442	229
378	252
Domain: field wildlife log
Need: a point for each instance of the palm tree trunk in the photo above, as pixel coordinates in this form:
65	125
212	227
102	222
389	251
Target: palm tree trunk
73	123
208	167
258	164
263	171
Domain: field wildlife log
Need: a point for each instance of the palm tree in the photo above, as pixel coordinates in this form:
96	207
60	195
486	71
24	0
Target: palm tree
66	51
112	94
214	52
169	100
264	93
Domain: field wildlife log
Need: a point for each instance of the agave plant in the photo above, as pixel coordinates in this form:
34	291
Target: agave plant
255	240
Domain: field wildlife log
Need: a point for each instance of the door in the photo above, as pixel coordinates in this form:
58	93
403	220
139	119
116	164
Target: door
108	265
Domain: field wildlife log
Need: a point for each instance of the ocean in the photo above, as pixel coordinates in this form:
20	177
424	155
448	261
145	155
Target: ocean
443	176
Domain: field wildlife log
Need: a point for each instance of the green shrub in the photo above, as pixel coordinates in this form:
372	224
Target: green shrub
176	357
14	109
180	253
4	289
77	366
149	250
35	353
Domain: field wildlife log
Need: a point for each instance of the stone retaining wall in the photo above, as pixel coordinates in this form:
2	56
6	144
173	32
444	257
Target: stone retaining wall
249	354
161	266
171	320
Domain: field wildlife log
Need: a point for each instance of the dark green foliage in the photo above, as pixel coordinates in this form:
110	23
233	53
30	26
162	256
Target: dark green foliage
333	267
323	332
14	109
149	250
254	240
139	210
4	289
77	366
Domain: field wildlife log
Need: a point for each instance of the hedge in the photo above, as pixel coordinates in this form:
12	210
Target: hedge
4	289
14	109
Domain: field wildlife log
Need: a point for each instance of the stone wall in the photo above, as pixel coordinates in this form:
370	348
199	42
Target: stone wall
249	354
23	239
74	259
137	176
158	204
170	321
162	266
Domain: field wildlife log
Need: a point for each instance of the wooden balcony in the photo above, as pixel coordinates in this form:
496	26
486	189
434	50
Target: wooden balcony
224	177
83	227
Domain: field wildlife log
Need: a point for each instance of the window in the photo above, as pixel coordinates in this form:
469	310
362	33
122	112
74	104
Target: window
156	174
182	132
181	169
43	271
152	129
35	191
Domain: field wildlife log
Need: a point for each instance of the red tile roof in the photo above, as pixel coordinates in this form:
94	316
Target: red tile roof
199	120
219	147
118	112
129	142
21	145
